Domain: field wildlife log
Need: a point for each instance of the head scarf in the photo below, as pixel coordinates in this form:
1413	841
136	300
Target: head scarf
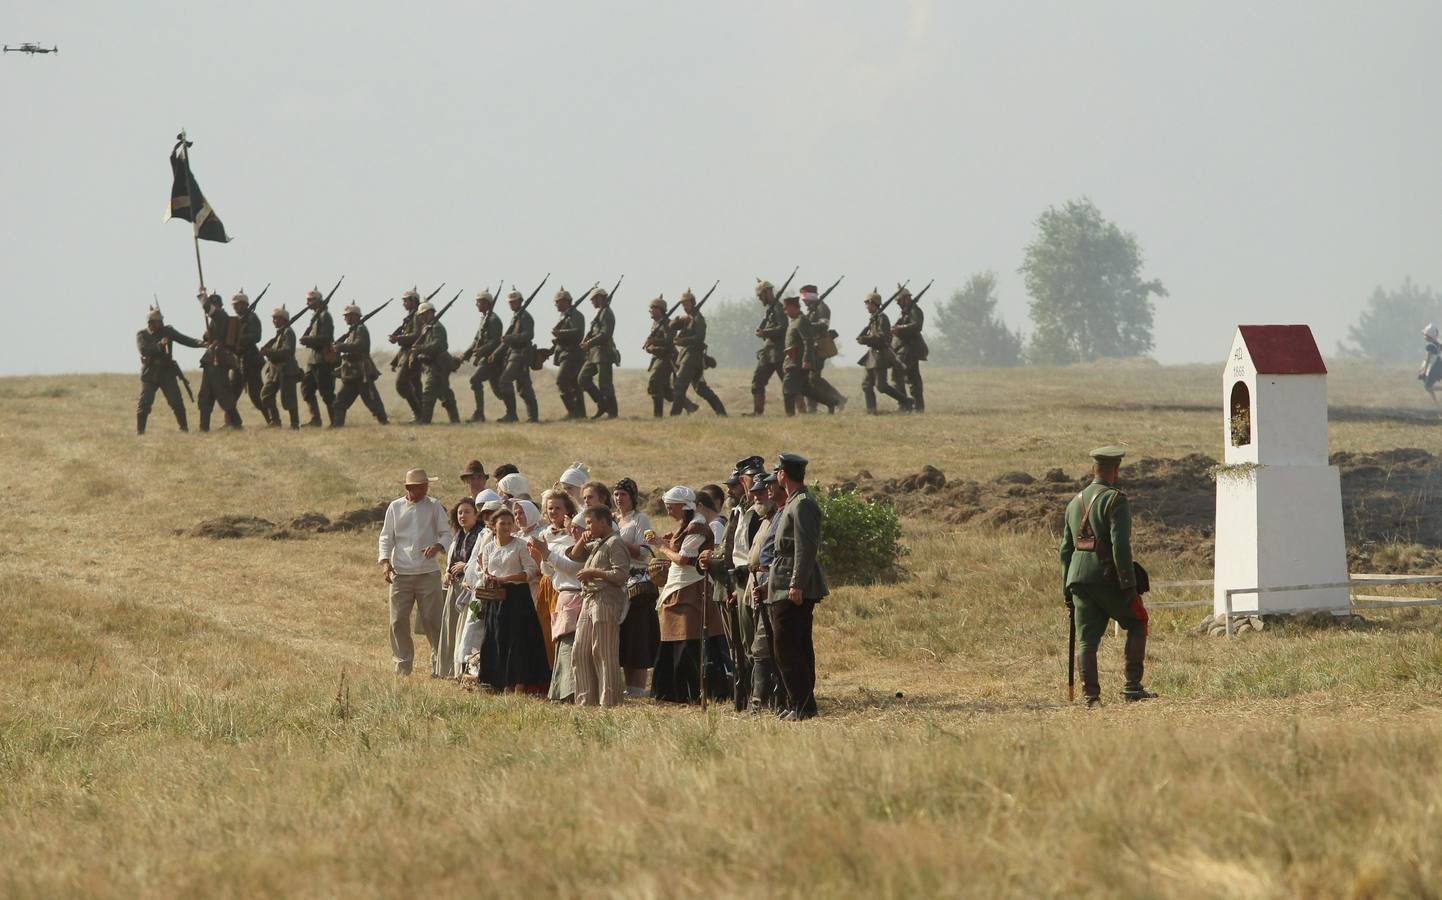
682	495
515	485
576	476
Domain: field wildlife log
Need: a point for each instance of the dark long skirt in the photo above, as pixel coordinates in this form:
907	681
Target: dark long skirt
677	678
640	636
513	653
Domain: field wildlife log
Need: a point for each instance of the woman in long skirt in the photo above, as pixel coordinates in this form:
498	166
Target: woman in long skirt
688	614
559	571
513	655
640	628
458	596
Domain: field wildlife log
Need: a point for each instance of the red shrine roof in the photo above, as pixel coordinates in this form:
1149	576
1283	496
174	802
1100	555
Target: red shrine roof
1283	349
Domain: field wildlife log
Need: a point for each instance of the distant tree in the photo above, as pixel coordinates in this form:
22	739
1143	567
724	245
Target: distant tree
1387	330
1088	299
971	332
731	332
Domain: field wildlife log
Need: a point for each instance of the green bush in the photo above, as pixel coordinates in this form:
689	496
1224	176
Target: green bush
860	539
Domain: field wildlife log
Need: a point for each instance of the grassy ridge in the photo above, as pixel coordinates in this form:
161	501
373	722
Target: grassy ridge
182	716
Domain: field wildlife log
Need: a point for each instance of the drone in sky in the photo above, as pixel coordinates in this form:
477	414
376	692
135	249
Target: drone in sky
31	49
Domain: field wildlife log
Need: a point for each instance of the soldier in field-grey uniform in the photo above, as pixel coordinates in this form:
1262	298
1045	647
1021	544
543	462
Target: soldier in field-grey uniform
158	370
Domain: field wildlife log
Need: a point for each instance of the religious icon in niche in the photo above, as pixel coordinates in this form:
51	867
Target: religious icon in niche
1241	415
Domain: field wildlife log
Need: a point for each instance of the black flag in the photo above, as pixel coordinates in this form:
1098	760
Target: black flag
186	200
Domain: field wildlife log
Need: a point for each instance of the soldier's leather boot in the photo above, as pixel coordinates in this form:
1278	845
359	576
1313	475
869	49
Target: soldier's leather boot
758	405
718	407
658	407
1136	655
790	403
480	414
330	411
533	409
453	412
918	401
870	396
904	404
314	421
140	423
1091	686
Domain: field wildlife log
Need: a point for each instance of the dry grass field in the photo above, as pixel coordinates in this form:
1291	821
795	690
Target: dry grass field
182	716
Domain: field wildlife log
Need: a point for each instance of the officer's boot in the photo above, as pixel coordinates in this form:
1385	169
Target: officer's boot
713	401
510	402
294	412
1136	655
314	420
140	418
180	419
918	400
1091	687
870	396
480	414
658	407
452	411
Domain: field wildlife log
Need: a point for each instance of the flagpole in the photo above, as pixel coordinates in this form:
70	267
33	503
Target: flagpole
194	213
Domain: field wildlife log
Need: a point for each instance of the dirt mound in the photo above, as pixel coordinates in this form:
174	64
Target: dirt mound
307	523
1388	498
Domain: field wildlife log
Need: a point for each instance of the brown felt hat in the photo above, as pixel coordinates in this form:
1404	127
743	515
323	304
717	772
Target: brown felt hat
474	467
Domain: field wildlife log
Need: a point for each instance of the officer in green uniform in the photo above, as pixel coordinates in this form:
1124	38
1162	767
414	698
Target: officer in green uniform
247	379
879	358
600	347
689	333
520	346
158	370
567	355
217	363
358	372
319	371
910	348
661	346
1098	577
432	353
796	387
772	355
282	372
484	353
408	374
819	313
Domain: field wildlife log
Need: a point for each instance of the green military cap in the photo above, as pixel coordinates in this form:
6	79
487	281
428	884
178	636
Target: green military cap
1111	453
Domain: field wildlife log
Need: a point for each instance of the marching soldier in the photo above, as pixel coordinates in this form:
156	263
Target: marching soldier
247	379
796	385
358	372
772	355
879	358
600	347
319	371
519	348
567	355
282	372
910	348
1098	576
482	352
408	374
159	370
823	347
690	338
217	363
659	344
431	352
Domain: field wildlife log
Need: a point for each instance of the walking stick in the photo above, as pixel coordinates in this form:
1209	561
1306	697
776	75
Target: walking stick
1070	652
705	602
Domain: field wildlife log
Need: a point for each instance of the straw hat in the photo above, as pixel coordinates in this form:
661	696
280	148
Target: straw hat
418	476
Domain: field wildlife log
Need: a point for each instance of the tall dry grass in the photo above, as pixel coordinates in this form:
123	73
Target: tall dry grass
180	716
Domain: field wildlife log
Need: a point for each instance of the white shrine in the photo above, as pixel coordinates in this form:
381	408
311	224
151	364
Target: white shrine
1279	504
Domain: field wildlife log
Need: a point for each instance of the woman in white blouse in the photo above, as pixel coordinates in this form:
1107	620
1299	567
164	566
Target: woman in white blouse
688	614
549	549
513	653
640	629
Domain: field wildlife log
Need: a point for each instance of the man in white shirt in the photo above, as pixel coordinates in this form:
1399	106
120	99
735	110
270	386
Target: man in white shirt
414	541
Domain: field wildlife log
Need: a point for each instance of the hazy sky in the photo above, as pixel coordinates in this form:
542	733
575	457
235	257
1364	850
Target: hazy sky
1276	161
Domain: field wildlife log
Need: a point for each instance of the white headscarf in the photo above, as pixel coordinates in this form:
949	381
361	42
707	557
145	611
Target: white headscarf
682	495
487	496
1430	332
532	514
576	476
515	485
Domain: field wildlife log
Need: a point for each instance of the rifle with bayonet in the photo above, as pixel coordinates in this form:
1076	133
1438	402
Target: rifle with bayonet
700	303
261	296
827	293
334	351
290	323
610	298
448	306
781	294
